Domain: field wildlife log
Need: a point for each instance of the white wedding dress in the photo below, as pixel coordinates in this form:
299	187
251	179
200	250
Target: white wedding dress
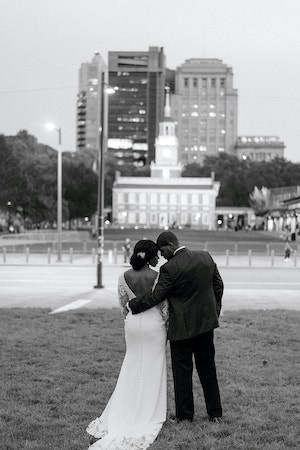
137	408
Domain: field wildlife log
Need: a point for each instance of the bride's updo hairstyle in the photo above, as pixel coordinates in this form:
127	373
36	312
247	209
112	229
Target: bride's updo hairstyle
143	252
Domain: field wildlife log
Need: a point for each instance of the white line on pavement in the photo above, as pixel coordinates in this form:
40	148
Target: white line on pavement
73	305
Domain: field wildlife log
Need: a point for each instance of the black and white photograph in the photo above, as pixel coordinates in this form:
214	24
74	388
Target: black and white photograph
149	224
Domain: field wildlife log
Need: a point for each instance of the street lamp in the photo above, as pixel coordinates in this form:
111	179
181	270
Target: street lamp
51	126
103	90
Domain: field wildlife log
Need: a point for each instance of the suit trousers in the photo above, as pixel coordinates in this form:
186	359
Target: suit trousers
202	347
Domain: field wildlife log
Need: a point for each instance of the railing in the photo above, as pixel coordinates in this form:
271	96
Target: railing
227	253
216	248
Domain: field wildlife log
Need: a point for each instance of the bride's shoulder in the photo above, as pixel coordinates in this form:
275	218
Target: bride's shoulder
153	274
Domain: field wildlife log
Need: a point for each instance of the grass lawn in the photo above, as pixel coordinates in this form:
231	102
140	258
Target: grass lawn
58	372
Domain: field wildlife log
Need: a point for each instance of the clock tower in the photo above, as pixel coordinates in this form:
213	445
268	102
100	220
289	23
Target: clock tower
166	147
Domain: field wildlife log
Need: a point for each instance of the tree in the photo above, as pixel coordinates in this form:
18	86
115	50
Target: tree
79	186
11	180
230	171
259	200
238	178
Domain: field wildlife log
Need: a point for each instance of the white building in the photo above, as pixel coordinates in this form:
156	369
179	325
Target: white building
259	148
165	199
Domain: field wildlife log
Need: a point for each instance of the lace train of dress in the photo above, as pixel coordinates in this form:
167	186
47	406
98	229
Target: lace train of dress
136	410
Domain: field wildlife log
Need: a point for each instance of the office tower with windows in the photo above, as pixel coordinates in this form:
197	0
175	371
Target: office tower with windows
88	103
137	107
205	108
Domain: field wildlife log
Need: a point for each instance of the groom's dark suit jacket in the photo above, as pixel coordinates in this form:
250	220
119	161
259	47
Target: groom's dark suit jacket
191	282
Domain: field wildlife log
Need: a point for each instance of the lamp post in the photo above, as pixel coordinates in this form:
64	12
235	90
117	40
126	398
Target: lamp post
103	90
51	126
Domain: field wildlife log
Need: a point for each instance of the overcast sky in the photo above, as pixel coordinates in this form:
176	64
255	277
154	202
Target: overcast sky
44	42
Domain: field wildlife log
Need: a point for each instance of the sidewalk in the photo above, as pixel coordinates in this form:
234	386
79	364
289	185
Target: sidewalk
57	285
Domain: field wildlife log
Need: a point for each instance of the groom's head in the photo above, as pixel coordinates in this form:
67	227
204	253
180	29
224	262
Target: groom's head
167	243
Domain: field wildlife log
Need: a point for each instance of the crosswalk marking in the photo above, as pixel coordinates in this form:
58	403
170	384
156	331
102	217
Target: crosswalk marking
73	305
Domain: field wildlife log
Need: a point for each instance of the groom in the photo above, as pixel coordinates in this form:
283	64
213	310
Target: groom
192	284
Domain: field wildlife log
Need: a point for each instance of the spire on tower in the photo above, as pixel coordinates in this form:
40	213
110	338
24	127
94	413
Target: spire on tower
167	110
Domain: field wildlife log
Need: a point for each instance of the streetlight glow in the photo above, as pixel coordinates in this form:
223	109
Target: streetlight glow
51	126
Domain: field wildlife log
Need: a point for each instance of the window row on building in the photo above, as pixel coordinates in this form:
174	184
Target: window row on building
156	198
204	83
161	219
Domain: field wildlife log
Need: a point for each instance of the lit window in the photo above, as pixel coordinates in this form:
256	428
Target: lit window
196	106
212	114
203	148
194	114
212	106
142	111
221	149
223	132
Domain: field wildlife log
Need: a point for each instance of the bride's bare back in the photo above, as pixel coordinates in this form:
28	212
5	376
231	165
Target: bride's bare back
140	281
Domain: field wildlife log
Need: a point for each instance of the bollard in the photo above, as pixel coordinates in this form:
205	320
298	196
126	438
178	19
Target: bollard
27	255
110	256
93	255
4	255
249	257
236	249
71	255
49	254
268	249
272	257
295	258
115	253
227	257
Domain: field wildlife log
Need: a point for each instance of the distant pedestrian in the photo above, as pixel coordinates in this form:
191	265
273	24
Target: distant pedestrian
287	250
126	250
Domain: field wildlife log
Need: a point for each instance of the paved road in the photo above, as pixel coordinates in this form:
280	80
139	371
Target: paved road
55	286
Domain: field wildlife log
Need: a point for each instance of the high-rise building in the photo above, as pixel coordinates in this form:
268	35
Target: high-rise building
205	108
137	107
88	103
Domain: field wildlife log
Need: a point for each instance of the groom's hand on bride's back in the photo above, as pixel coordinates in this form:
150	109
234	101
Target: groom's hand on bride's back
134	306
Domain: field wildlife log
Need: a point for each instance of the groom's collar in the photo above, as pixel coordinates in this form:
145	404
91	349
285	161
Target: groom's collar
179	248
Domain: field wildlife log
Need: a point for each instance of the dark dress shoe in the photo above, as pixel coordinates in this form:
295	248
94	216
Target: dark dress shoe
174	419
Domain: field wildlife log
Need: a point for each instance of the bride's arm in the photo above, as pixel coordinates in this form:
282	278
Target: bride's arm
163	306
123	297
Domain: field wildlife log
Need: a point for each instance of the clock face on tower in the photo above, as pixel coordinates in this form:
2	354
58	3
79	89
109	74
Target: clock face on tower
166	153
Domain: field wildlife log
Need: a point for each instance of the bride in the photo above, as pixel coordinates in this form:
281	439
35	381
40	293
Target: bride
136	410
